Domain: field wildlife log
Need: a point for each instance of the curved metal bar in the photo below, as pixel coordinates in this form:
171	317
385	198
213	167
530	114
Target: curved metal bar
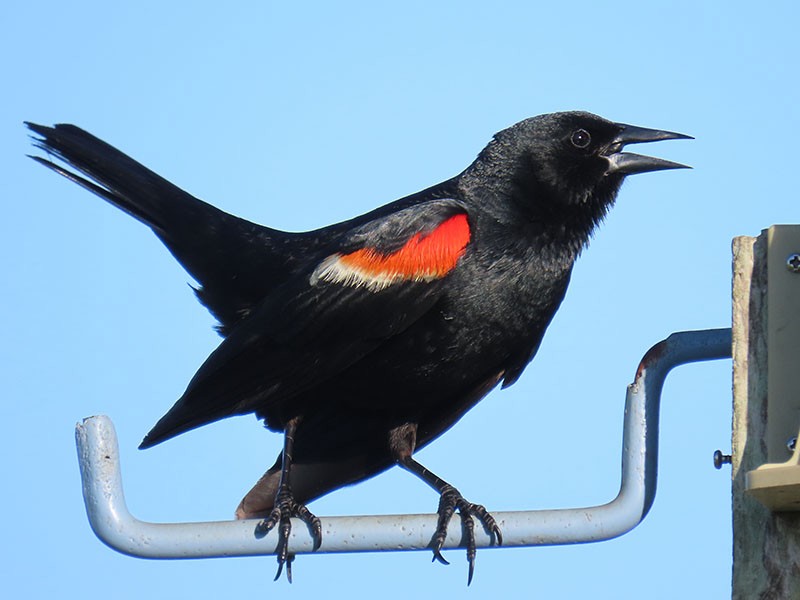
111	521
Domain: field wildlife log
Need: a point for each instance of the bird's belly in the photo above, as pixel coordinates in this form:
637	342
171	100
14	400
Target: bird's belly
438	361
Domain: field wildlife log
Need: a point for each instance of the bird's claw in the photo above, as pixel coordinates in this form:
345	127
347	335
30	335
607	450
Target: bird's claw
288	562
285	508
450	501
437	555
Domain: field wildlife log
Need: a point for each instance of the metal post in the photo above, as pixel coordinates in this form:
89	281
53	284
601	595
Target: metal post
112	522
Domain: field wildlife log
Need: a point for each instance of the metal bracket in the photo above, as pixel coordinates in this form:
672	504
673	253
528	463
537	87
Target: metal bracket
98	454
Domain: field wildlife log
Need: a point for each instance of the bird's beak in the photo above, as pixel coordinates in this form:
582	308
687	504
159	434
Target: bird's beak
628	163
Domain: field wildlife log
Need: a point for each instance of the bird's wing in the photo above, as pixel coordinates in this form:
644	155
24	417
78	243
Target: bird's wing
370	284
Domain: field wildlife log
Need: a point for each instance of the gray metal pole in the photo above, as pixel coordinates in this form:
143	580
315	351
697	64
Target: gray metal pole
110	519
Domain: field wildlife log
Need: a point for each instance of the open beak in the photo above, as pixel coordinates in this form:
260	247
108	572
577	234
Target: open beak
628	163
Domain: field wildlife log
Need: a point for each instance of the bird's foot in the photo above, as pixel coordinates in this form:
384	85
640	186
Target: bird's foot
450	501
285	508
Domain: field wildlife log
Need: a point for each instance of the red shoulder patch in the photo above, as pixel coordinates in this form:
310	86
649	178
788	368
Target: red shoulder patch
420	259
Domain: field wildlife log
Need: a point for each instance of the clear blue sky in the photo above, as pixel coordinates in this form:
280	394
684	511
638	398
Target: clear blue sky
298	115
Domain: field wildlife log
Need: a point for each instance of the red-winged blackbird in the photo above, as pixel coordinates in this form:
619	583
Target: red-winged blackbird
365	340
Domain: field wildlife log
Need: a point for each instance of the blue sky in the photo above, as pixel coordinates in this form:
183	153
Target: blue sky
298	115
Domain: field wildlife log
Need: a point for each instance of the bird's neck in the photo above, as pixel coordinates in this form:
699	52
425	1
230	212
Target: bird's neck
546	224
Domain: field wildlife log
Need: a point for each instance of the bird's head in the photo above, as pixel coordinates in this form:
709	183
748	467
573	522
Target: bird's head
567	166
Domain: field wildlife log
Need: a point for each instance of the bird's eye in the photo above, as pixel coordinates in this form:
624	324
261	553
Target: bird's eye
581	138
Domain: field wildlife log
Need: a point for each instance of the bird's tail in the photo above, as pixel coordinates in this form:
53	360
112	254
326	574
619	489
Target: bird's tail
116	177
234	261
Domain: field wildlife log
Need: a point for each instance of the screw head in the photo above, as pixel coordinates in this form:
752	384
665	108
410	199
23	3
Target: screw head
721	459
793	262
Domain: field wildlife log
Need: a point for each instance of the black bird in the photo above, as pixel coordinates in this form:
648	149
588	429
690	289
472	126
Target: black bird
365	340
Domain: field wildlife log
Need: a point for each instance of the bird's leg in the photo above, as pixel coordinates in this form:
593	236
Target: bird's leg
287	507
402	440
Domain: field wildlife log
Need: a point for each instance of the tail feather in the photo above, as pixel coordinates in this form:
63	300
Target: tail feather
236	262
124	182
89	185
